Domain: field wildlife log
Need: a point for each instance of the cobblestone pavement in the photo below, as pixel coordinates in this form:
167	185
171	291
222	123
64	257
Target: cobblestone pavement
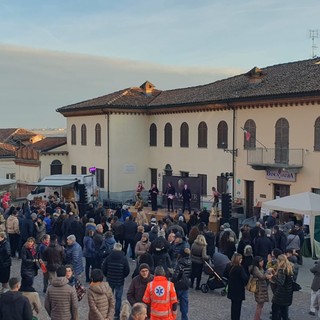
211	305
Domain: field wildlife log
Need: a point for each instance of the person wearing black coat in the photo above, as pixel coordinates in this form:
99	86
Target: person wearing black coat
263	246
186	198
130	230
238	279
78	229
154	191
27	228
116	268
283	291
29	260
181	280
5	260
279	238
210	238
66	225
13	305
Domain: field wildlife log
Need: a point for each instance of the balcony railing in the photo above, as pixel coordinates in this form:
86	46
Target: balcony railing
283	158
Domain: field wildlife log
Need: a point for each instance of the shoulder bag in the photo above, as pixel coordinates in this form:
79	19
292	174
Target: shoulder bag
252	284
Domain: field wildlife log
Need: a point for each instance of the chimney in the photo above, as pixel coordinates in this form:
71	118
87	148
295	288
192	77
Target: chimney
147	87
255	75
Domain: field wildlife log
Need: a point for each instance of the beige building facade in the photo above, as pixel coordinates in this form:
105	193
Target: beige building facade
262	128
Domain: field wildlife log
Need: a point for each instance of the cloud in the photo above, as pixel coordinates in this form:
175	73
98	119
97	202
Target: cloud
36	82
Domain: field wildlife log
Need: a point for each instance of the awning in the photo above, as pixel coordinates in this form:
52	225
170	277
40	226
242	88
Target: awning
53	183
4	182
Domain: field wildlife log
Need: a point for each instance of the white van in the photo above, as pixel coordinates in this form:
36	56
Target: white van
81	187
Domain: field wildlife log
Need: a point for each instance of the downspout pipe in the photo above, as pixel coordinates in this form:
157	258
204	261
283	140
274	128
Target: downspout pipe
108	155
234	151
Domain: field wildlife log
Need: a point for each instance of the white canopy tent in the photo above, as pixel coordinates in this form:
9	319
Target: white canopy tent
306	203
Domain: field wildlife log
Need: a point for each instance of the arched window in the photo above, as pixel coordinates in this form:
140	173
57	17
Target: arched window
97	132
153	135
55	167
168	135
83	135
202	135
249	135
317	135
282	141
222	135
184	135
168	170
73	134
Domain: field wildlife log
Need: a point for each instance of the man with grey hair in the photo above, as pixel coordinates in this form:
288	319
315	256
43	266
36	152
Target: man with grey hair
138	311
74	254
116	268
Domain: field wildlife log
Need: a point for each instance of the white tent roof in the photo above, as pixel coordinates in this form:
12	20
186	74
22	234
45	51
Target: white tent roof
54	183
303	203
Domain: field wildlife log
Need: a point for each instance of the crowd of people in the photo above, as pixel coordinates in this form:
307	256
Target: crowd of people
169	255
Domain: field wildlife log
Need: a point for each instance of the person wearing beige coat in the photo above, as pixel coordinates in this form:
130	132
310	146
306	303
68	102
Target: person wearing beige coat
13	230
61	302
100	298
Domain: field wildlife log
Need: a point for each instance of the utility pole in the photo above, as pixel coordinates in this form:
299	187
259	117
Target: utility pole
314	34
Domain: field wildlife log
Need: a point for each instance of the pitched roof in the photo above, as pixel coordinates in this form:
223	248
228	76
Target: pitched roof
49	143
15	135
282	80
7	150
130	97
293	78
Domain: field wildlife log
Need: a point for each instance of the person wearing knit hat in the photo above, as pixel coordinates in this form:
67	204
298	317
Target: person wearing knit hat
139	284
144	266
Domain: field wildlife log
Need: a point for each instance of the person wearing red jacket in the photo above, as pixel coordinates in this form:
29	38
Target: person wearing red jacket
161	296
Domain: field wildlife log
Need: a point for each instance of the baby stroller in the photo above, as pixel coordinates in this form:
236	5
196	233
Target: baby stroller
214	281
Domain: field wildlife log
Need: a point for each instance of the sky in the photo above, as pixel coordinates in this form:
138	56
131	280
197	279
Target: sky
55	53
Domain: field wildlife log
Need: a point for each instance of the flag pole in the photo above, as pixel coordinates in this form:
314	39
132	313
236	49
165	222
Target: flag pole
245	131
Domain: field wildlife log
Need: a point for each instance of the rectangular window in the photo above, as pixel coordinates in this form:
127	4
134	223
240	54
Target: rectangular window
315	190
184	174
100	177
83	170
154	176
10	176
73	169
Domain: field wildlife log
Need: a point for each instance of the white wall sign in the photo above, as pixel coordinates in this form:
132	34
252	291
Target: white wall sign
129	168
280	175
306	219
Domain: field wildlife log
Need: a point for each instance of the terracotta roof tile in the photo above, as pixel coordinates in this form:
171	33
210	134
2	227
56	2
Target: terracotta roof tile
130	97
16	135
7	150
49	143
300	77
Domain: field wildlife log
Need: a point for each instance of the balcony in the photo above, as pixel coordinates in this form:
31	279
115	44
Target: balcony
264	158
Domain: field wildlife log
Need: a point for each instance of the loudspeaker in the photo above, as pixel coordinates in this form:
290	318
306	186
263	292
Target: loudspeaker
234	225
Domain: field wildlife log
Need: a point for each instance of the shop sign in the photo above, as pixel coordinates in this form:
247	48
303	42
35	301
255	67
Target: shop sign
280	175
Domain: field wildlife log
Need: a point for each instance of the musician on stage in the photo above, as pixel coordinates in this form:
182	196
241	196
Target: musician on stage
170	192
153	196
186	198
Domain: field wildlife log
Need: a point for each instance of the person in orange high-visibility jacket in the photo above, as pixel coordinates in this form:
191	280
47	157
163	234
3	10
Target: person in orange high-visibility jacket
161	296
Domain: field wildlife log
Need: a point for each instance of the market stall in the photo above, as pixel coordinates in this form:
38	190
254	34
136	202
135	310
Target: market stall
307	204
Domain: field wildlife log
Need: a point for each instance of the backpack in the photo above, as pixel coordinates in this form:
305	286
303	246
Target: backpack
180	280
104	250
